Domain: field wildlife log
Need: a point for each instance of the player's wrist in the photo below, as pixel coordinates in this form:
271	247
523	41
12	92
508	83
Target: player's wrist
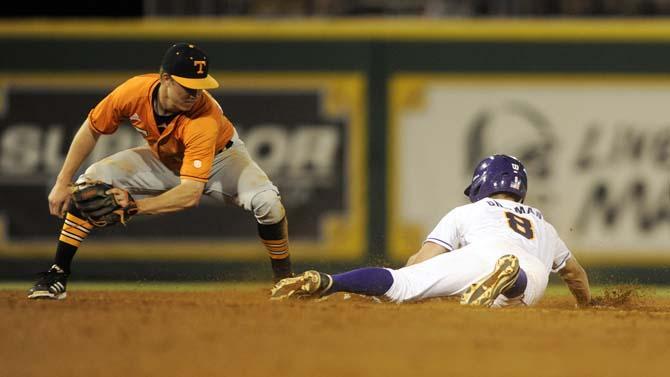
63	179
139	206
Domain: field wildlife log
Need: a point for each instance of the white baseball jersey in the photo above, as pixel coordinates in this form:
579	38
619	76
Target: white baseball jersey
478	234
500	220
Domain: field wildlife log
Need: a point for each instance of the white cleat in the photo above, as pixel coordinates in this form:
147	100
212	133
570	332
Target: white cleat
308	284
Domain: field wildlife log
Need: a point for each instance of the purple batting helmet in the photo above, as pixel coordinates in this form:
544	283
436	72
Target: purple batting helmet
498	173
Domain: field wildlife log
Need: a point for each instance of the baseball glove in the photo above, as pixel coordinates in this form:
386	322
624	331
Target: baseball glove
100	208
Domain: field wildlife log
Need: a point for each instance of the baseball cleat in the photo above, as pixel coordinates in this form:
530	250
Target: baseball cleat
51	285
308	284
487	289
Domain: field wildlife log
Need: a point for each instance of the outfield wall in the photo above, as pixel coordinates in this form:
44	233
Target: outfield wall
370	129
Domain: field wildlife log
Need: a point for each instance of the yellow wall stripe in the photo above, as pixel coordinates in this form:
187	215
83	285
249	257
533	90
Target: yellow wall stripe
347	29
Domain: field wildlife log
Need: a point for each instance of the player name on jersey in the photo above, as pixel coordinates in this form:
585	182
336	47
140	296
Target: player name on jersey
520	209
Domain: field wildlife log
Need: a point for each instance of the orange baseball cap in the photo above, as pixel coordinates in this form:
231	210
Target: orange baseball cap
188	65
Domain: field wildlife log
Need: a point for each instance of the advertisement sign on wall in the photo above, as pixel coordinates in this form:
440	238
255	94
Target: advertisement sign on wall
597	151
305	131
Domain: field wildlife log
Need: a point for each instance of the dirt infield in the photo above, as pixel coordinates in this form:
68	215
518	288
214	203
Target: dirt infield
239	332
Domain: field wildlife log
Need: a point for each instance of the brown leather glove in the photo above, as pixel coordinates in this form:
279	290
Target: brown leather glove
99	207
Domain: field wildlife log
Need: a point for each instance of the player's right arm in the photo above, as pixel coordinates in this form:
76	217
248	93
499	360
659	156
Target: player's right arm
185	195
442	239
82	145
200	137
104	118
575	278
567	266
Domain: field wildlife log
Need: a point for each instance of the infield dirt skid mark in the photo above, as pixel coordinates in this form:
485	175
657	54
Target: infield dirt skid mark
241	333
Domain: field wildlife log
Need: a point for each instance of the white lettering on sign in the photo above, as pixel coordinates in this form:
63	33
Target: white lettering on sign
299	160
35	152
21	149
597	154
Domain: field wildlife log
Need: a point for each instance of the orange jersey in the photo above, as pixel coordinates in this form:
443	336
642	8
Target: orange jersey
187	146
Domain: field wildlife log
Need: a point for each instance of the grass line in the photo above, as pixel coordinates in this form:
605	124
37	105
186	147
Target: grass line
144	286
553	290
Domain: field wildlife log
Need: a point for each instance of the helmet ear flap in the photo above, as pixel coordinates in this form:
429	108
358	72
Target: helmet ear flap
473	189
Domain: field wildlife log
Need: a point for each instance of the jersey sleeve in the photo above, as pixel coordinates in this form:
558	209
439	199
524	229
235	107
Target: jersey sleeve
106	116
561	252
199	142
446	233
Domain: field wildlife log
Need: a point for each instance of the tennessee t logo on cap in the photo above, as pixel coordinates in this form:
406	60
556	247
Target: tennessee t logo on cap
187	64
200	64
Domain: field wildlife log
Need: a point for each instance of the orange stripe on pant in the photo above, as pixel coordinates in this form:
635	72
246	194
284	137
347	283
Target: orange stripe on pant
277	249
69	241
282	244
70	233
78	221
74	231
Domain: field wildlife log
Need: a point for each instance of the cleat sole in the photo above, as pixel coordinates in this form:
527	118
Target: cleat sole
301	286
42	295
486	290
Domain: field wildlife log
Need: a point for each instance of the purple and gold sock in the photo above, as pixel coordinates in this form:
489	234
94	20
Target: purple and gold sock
518	287
369	281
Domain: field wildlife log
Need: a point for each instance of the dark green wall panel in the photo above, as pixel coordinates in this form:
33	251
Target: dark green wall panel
376	59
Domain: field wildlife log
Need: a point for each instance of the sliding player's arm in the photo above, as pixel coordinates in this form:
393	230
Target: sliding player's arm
427	251
577	281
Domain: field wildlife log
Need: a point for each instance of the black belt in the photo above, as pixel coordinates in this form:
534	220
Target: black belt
228	145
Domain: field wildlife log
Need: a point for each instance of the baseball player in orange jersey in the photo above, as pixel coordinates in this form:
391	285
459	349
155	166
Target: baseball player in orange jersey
192	149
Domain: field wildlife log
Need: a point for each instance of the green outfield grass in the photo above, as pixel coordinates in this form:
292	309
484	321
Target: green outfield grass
554	290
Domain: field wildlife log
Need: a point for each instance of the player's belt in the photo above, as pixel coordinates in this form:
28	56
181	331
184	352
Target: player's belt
228	145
